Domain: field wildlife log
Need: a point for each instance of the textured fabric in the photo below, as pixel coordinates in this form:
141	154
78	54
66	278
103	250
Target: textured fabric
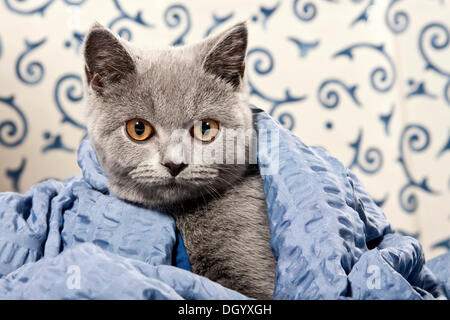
107	276
74	239
180	254
440	267
324	225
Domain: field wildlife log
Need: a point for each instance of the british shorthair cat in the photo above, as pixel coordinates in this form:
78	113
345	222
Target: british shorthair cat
144	106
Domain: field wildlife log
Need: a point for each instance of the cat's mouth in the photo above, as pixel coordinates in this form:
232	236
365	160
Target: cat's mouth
170	192
176	183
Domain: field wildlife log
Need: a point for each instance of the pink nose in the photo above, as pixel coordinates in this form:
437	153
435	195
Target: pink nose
174	168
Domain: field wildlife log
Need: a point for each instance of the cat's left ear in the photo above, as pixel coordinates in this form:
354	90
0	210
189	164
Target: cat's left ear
227	56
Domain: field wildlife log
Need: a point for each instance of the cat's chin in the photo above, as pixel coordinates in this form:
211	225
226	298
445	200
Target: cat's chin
167	196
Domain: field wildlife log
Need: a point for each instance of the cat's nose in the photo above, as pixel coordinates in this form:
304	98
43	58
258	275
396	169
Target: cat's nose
174	168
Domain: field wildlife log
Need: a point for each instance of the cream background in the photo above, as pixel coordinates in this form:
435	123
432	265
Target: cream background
331	26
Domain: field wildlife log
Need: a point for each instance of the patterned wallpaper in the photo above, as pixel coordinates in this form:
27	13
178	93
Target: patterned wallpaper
368	80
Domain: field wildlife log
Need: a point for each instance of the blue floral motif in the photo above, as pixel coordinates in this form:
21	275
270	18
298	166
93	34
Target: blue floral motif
364	15
75	2
418	89
445	148
400	20
379	74
125	32
418	140
78	38
303	46
331	98
217	21
15	174
382	201
9	127
34	70
308	11
443	244
386	120
54	143
437	43
286	119
266	13
373	157
447	91
174	16
40	9
74	93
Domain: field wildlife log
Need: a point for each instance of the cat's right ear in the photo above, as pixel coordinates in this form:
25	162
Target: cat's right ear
226	57
107	61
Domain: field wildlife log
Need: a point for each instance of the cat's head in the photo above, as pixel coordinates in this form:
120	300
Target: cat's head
150	113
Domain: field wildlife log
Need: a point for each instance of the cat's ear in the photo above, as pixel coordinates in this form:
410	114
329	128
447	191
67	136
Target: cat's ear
107	61
227	56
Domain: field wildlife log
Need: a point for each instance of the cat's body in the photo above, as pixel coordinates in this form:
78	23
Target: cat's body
147	110
227	238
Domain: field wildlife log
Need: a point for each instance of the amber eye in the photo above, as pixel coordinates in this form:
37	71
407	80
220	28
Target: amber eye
205	130
139	129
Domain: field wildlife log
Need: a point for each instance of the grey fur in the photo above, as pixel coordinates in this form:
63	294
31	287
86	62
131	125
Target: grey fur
219	209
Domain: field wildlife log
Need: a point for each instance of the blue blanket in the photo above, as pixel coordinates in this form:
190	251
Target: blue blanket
74	239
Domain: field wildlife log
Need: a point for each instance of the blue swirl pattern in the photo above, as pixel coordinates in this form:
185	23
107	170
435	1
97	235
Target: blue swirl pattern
39	9
418	140
364	15
10	128
386	120
331	98
397	22
17	6
73	93
34	70
125	32
439	40
15	174
286	119
379	76
217	21
177	15
373	157
303	46
266	14
307	12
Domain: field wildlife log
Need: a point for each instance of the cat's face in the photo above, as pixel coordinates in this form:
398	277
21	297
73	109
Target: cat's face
158	119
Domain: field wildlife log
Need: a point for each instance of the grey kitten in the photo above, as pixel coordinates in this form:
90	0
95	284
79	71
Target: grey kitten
136	100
